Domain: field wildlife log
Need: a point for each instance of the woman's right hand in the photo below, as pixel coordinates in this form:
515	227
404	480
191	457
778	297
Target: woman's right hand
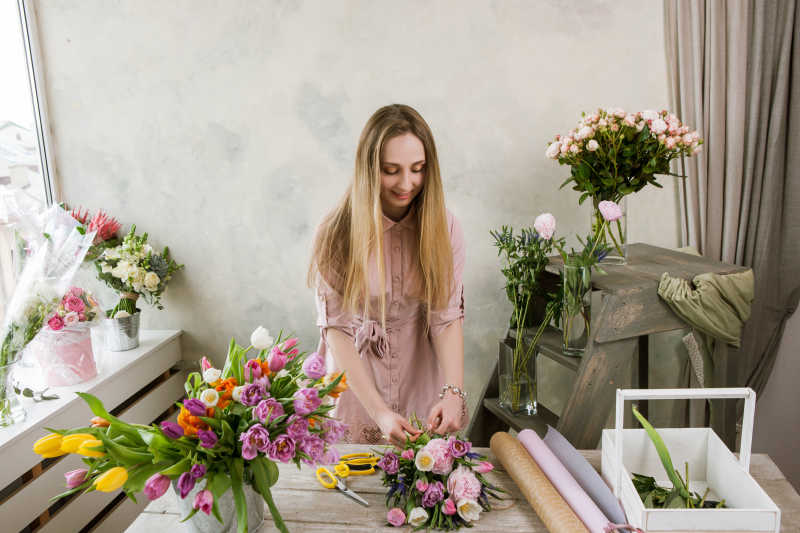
394	428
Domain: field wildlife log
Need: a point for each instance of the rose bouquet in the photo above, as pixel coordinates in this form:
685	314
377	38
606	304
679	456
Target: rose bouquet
436	482
132	269
234	425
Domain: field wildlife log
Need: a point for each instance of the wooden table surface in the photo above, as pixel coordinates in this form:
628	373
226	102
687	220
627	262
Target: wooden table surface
306	506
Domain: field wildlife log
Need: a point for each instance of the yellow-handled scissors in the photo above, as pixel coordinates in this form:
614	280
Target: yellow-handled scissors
356	464
330	481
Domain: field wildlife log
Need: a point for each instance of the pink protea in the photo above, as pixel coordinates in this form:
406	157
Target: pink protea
105	226
80	217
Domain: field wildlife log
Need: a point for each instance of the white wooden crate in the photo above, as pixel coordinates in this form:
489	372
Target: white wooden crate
711	464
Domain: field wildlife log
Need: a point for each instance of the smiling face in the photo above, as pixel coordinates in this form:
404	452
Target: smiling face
402	174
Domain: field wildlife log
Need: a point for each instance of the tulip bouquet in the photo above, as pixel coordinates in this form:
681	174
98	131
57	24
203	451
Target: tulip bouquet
132	269
234	425
436	482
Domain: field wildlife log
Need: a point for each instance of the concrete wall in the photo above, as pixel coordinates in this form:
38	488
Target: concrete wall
227	129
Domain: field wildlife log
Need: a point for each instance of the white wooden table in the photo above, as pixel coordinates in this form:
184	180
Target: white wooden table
306	506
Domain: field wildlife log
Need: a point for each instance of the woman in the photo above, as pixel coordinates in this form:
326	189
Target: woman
394	326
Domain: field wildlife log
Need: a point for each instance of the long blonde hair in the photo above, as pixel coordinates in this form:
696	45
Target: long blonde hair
353	231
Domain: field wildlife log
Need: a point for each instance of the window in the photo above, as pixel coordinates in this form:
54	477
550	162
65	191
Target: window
24	169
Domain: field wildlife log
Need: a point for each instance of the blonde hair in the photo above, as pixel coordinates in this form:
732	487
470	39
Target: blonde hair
353	231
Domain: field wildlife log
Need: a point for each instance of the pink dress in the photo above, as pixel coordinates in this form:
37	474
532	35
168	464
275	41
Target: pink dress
401	358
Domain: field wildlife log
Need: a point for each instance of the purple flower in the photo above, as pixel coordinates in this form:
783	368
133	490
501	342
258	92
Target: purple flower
252	368
268	410
433	495
297	428
331	456
254	439
171	429
314	366
249	451
198	471
195	407
185	484
459	448
276	360
282	449
208	439
389	463
314	447
252	394
306	401
204	501
157	485
333	430
75	478
262	382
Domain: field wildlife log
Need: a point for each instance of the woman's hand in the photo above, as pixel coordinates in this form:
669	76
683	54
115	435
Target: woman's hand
446	415
394	428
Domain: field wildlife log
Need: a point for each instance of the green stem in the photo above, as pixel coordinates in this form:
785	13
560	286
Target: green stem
273	509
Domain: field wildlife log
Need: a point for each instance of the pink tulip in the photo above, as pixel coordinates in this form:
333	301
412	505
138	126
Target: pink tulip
484	467
75	478
448	507
204	501
205	364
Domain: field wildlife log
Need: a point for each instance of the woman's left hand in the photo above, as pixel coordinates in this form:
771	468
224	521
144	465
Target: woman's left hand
446	415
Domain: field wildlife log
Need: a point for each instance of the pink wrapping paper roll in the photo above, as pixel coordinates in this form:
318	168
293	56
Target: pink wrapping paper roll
562	480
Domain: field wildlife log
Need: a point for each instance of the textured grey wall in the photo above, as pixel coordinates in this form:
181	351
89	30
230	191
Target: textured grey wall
227	129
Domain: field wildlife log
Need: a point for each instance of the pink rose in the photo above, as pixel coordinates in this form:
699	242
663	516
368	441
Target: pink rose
484	467
73	303
396	517
56	323
408	454
630	120
76	291
71	318
314	366
545	225
610	210
439	449
448	507
574	149
553	150
81	316
463	485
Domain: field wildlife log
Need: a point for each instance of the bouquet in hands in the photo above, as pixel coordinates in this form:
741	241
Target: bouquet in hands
134	269
234	425
436	482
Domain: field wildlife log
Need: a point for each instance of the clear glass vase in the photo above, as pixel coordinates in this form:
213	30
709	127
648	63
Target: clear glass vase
11	409
517	379
614	234
576	311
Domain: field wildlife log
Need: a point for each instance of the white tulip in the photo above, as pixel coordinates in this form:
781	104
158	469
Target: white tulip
417	516
210	375
469	510
260	339
237	393
210	397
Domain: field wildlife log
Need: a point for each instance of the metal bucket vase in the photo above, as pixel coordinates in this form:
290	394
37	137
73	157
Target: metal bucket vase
203	523
121	333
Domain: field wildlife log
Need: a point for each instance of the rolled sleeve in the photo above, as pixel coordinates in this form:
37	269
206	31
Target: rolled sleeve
441	318
331	311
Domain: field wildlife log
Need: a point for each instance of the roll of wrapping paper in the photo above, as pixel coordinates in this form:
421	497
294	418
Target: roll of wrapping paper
565	484
552	509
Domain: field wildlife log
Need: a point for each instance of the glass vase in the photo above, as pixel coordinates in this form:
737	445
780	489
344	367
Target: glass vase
517	378
614	234
576	311
11	409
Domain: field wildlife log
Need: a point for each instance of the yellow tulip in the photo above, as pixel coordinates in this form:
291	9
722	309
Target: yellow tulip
111	480
70	443
49	446
85	448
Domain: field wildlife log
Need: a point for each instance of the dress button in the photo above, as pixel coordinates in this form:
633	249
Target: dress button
394	380
396	406
397	278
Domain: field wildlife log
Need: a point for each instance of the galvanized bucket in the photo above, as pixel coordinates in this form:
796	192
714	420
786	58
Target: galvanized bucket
121	333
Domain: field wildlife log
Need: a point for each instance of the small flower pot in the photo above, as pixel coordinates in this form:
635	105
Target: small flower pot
121	334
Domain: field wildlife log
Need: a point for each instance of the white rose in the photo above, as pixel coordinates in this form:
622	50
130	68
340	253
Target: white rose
640	125
592	145
260	338
584	133
469	510
553	150
236	394
658	126
424	461
417	516
151	281
122	270
574	149
210	375
106	268
649	114
122	314
210	397
112	253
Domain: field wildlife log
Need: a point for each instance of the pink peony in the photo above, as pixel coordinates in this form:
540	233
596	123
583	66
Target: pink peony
314	366
439	449
610	210
56	323
408	454
463	485
73	303
396	517
545	225
449	507
484	467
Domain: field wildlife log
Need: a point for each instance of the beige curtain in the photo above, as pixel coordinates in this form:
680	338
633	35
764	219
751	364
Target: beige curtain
734	74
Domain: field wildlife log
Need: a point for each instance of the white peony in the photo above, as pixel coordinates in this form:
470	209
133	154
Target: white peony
545	225
592	145
424	461
553	150
417	516
210	397
210	375
260	339
469	510
151	281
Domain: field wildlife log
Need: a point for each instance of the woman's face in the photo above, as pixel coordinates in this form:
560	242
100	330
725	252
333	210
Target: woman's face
402	174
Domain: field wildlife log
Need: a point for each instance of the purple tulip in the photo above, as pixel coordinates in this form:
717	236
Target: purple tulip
198	471
157	485
185	484
208	439
254	440
282	449
252	394
389	463
459	448
195	407
249	451
171	429
297	428
75	478
314	366
204	501
306	401
333	431
268	410
314	447
433	495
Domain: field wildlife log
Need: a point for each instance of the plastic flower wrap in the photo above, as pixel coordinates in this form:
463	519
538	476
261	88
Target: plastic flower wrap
134	269
234	425
436	482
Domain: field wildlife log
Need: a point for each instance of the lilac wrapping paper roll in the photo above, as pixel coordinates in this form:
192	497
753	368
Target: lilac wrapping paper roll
562	480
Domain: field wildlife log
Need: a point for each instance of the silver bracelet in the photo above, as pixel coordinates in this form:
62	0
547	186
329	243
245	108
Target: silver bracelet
455	391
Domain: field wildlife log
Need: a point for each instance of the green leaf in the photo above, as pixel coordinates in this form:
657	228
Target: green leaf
265	474
236	469
178	468
123	454
663	454
138	477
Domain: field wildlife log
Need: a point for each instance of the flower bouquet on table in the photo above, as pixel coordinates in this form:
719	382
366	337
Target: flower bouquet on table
234	425
436	482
